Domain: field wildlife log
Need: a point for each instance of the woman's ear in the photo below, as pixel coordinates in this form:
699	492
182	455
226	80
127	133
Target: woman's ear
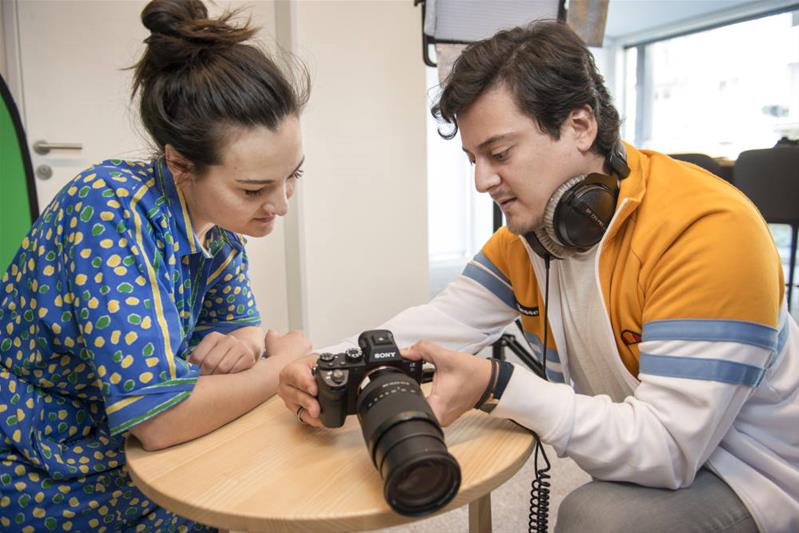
582	123
179	166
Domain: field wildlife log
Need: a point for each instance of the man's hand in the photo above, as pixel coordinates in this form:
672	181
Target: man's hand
458	383
298	389
218	353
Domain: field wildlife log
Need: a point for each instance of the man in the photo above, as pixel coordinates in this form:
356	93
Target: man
672	360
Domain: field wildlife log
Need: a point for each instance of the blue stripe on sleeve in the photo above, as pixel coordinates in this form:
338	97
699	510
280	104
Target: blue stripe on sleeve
703	369
487	280
782	338
486	262
552	355
555	377
711	330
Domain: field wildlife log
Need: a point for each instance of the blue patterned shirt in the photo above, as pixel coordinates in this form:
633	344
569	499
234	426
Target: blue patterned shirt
100	307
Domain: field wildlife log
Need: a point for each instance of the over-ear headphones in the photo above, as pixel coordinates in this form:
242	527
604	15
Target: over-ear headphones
579	211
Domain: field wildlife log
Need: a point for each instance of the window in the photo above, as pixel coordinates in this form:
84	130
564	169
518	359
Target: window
719	92
459	218
739	82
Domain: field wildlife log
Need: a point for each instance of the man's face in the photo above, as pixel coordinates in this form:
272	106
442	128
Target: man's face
516	163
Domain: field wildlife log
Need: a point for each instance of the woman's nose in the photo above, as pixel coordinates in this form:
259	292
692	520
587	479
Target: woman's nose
278	203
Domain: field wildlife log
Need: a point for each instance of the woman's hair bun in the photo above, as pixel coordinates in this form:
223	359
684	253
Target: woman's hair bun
198	81
181	30
169	16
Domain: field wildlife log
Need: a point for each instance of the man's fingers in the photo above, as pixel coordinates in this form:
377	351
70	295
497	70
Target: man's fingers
425	351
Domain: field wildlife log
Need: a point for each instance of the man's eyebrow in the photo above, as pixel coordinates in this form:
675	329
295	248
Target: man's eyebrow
267	182
491	140
495	138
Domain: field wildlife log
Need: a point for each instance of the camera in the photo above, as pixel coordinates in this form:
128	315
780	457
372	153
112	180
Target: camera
402	435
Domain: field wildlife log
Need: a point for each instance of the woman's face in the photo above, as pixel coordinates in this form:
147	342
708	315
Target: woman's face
252	184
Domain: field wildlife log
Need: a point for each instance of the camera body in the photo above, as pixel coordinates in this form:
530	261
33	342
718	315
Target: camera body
401	432
339	376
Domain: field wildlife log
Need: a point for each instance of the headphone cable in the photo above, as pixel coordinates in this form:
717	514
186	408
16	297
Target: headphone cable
539	493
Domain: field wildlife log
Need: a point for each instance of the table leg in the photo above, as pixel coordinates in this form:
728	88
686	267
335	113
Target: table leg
480	515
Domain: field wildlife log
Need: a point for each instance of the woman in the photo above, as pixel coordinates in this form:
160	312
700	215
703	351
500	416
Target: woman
128	306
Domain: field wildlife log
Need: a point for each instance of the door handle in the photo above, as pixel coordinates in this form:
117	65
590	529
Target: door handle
44	147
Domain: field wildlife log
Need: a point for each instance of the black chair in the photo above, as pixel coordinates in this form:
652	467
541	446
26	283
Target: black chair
706	162
770	178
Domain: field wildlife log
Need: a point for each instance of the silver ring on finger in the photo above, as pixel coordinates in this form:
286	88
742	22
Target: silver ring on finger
299	415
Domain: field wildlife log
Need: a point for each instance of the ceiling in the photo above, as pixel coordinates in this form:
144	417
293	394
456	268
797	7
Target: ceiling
633	16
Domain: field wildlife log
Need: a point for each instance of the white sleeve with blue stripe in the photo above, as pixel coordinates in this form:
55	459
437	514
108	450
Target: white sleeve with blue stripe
695	375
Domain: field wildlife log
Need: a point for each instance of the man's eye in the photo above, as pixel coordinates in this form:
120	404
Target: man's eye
501	156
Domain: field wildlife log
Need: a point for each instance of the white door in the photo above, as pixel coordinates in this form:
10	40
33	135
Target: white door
75	89
74	56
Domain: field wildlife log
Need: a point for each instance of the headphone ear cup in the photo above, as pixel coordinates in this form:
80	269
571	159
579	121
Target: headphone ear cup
584	212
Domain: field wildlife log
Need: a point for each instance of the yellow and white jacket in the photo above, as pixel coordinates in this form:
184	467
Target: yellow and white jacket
693	292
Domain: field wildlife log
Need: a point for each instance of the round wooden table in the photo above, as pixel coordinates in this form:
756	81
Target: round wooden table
266	472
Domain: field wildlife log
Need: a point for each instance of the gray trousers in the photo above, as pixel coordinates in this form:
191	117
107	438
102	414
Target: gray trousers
708	505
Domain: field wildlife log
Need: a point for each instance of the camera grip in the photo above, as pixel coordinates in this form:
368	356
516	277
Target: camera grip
332	401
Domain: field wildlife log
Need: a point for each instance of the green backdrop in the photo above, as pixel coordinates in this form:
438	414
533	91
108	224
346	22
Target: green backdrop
17	190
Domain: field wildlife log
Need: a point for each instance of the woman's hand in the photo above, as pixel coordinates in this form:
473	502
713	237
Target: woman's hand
218	353
458	383
290	347
297	388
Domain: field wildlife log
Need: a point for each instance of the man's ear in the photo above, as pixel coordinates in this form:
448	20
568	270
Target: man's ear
582	125
179	166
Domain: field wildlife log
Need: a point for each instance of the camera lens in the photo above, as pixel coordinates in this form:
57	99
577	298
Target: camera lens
406	444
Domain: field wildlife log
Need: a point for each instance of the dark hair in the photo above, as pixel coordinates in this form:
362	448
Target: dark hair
547	68
197	80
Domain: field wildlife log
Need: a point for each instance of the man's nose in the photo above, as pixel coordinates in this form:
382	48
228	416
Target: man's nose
485	177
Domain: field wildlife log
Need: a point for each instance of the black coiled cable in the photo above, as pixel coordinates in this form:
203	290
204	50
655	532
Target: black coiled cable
539	493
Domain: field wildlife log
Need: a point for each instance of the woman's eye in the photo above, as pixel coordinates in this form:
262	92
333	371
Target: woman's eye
254	193
297	175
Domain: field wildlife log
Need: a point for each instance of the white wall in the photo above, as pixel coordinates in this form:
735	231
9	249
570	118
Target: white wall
362	240
354	249
267	255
